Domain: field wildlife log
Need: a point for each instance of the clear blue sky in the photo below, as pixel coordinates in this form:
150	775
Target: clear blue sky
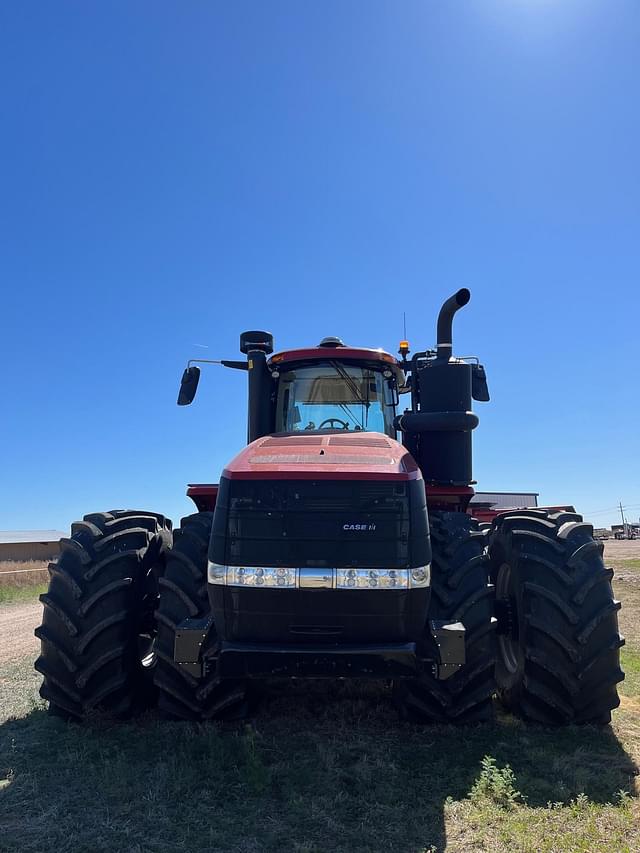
174	173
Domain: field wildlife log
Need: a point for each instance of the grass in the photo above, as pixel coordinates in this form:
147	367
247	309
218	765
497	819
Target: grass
626	564
630	659
323	768
22	580
11	594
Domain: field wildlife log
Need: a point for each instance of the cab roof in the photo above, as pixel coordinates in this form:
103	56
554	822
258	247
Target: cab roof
334	353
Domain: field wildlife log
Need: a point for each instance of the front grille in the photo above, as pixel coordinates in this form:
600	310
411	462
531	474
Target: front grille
323	495
352	523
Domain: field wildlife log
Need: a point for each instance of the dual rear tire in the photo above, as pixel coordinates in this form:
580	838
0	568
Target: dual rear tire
183	595
558	643
98	627
552	655
460	592
122	584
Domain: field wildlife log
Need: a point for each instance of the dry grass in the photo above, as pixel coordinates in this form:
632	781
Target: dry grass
616	550
21	580
627	589
626	585
23	572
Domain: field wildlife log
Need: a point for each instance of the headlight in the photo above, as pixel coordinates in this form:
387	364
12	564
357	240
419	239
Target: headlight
258	576
372	579
251	576
420	577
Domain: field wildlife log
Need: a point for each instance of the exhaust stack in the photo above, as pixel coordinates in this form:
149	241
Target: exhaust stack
445	322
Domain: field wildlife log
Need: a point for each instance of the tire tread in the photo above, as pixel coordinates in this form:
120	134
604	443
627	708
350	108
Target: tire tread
570	641
89	633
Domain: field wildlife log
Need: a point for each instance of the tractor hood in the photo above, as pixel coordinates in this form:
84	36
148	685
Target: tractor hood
313	503
324	456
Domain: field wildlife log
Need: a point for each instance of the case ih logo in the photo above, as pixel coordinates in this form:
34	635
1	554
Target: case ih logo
361	527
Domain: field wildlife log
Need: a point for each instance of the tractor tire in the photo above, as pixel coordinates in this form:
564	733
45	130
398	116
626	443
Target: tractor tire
558	640
183	594
459	593
97	629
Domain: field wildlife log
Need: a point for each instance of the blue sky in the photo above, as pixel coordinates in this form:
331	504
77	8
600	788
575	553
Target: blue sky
174	173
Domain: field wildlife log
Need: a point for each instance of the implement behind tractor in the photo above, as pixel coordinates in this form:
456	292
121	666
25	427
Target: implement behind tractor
329	549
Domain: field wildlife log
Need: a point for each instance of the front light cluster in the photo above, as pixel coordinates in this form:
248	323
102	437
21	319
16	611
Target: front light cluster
255	576
372	579
258	576
283	578
383	578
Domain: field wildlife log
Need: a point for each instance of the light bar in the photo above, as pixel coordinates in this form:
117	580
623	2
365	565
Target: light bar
312	578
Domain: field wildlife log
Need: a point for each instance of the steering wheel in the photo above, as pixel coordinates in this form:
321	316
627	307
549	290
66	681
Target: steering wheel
331	422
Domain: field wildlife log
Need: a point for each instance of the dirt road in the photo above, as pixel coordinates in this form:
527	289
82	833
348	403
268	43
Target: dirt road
621	549
17	622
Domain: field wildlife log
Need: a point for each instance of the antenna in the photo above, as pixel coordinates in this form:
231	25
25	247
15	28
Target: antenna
404	343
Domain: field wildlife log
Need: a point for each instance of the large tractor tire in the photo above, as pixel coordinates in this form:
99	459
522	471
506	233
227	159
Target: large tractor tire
97	631
459	593
558	640
183	594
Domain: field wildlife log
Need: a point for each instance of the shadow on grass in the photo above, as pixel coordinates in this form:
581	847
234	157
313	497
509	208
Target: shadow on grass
322	767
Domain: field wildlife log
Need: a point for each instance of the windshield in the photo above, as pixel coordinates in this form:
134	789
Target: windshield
335	395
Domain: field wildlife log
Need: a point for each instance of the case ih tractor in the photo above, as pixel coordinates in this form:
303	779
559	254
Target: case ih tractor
330	549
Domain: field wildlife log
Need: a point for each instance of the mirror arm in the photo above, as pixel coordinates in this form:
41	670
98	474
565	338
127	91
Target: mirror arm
236	365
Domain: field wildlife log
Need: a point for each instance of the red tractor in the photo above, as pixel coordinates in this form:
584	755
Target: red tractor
329	549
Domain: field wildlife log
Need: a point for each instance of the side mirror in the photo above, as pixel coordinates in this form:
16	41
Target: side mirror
188	386
479	387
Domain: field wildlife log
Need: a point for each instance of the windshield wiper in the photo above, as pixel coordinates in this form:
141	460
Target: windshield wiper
345	408
355	391
350	382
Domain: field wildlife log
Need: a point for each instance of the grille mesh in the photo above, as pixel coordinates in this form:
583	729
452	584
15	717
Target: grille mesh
361	441
293	441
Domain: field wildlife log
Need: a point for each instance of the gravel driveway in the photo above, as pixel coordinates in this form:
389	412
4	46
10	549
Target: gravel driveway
17	623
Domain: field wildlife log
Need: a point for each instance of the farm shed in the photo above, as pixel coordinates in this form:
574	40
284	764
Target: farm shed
29	544
486	505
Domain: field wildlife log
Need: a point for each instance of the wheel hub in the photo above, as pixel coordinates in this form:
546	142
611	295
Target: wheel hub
505	612
508	619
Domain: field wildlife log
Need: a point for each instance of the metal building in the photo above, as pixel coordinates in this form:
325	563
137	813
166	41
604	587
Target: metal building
486	505
30	544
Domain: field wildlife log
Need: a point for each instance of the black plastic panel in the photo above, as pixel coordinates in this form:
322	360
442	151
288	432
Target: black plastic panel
307	523
373	661
322	616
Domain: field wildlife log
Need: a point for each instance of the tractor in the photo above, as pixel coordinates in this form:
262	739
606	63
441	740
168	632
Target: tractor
331	549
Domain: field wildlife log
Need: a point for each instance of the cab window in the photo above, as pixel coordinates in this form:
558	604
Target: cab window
335	395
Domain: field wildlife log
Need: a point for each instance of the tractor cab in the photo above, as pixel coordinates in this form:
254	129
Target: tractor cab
335	387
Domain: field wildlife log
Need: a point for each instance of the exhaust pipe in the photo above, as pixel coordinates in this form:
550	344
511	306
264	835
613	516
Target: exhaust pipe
445	322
